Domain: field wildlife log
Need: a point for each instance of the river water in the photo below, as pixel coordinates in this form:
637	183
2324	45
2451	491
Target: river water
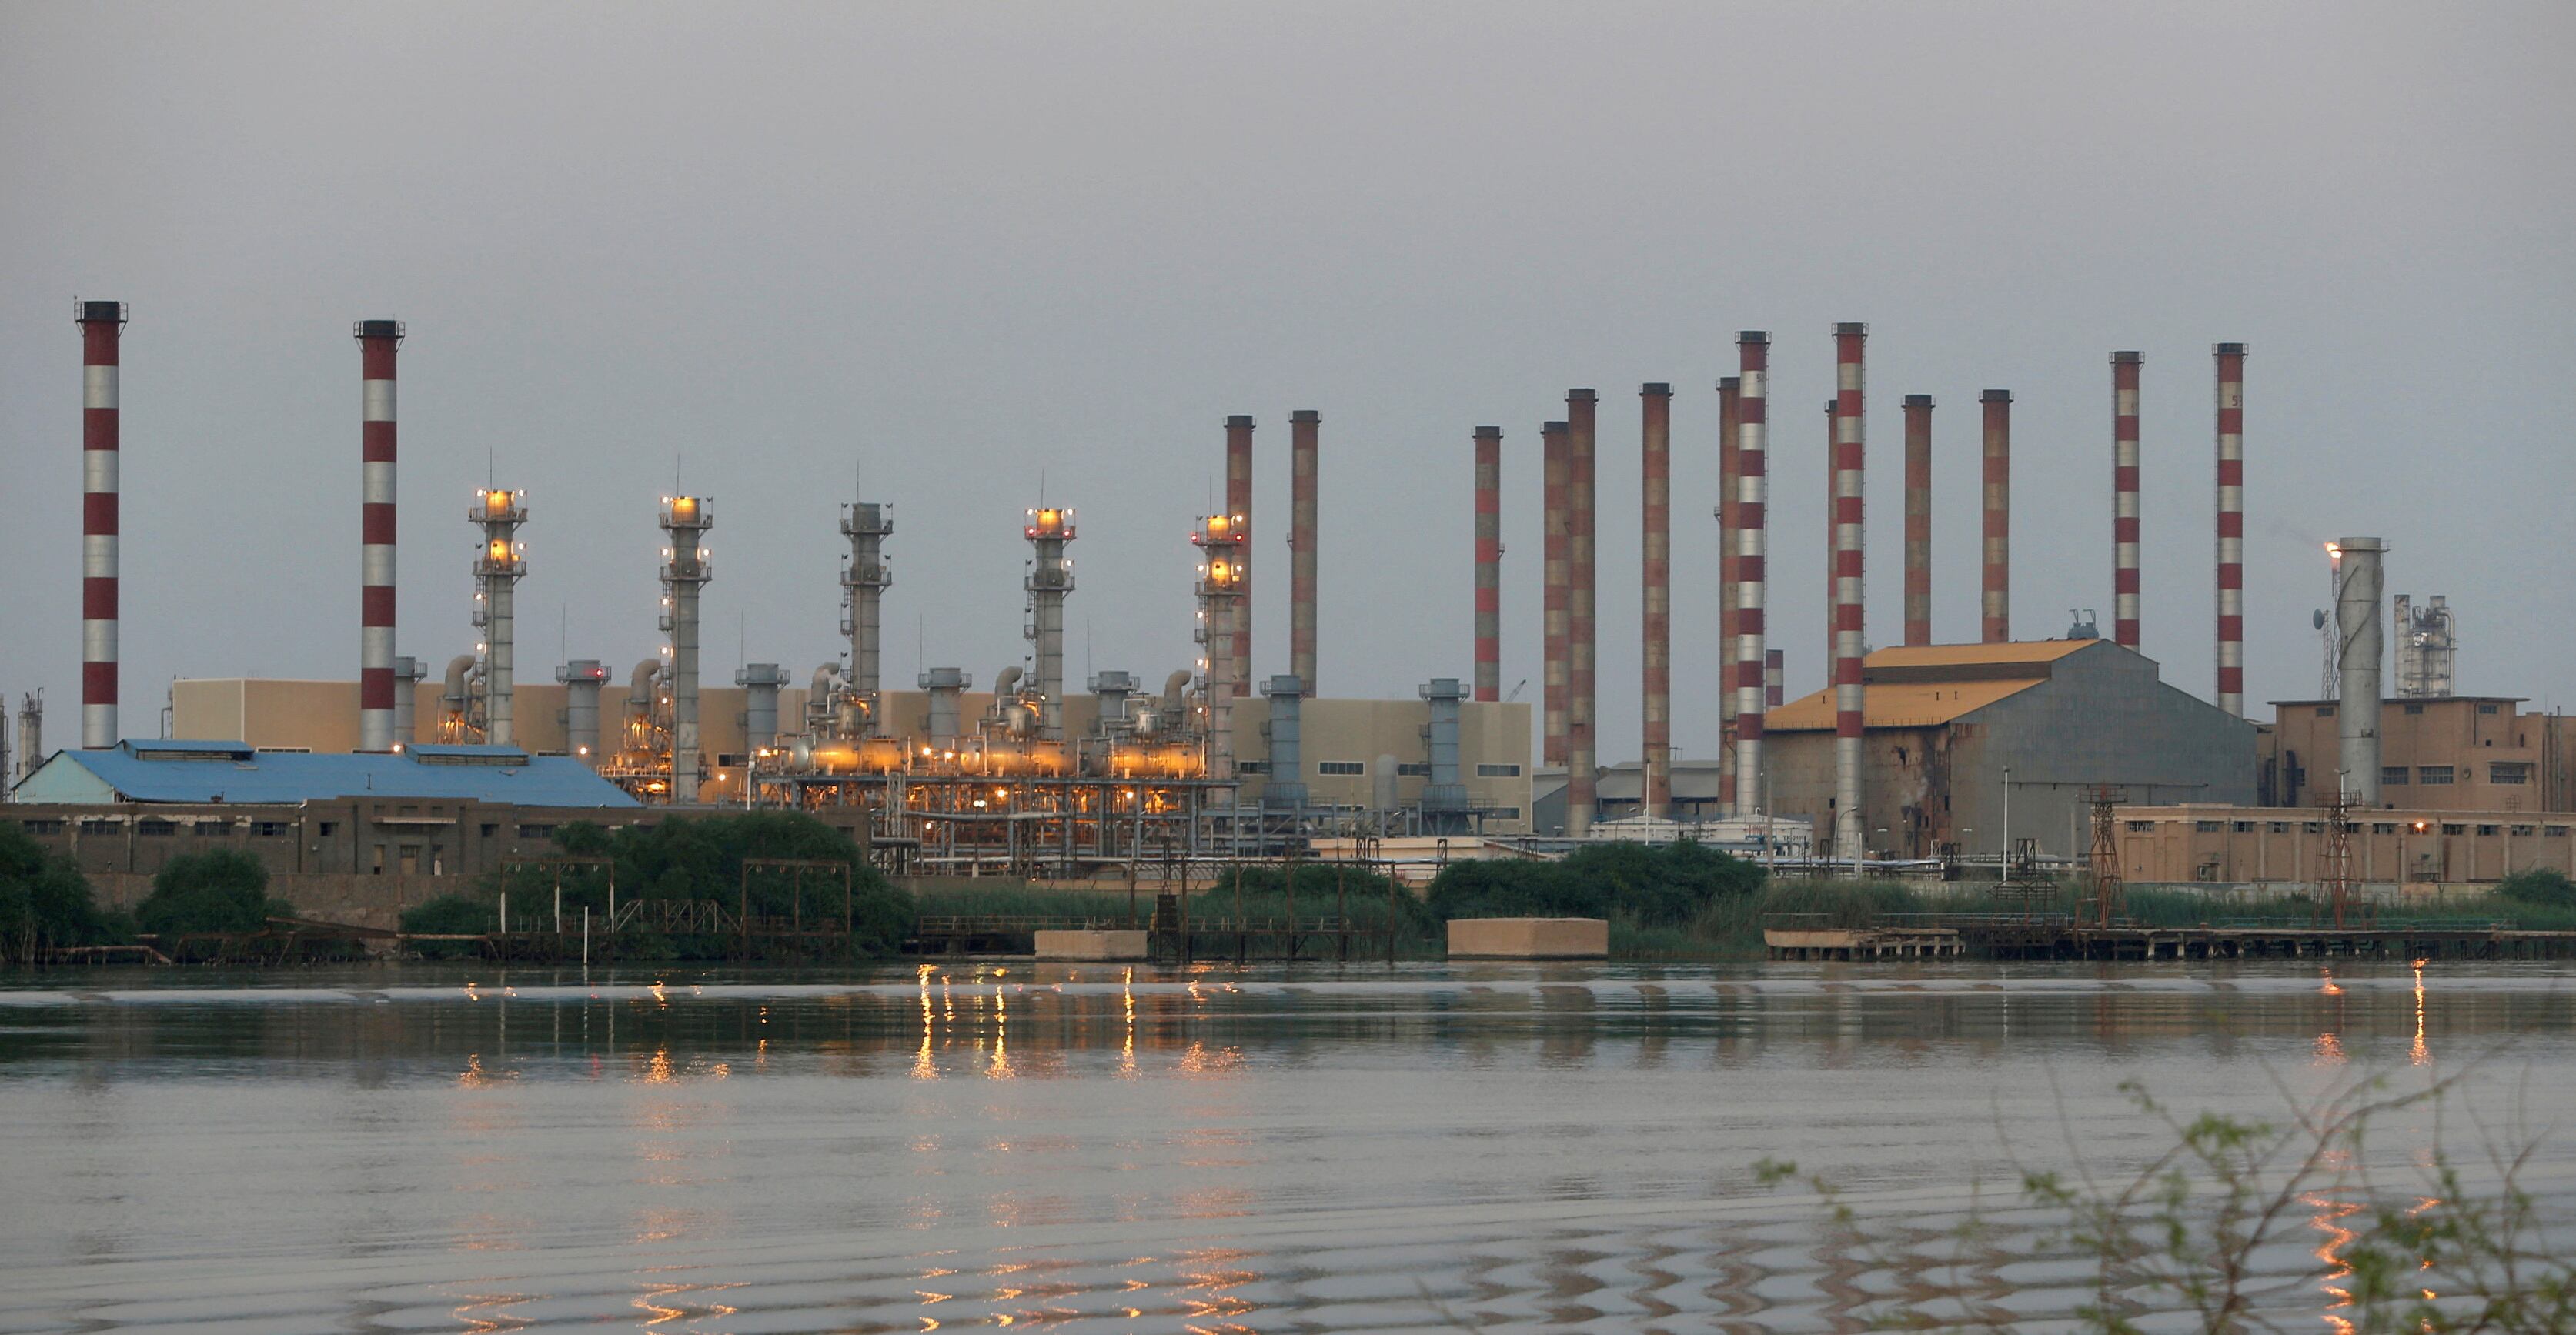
421	1148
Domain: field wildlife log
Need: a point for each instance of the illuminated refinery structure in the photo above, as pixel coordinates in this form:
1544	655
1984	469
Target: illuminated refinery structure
477	703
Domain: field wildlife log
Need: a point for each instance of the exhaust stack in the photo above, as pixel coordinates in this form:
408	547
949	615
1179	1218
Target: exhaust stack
1050	579
864	581
497	569
1997	599
102	323
1303	425
2358	582
1657	716
1555	631
1286	788
2124	499
1238	504
2231	530
1850	453
1489	563
1918	519
686	519
377	340
581	680
1221	544
1582	714
1753	357
1729	520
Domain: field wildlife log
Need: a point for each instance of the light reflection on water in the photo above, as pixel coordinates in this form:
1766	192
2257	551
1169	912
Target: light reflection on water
1096	1148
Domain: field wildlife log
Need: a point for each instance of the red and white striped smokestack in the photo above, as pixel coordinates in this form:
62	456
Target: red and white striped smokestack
1238	503
1303	427
101	324
1918	519
1833	552
1753	358
1555	631
1582	714
1729	421
377	340
1849	599
2231	527
1997	599
2124	499
1489	563
1657	514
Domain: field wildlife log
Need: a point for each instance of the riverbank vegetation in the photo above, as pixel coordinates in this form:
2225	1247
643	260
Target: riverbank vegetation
46	904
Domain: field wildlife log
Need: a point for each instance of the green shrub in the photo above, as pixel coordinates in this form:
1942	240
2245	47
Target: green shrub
221	890
45	902
2541	887
1666	885
701	858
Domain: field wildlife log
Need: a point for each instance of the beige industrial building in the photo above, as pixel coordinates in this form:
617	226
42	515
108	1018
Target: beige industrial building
2286	848
2461	753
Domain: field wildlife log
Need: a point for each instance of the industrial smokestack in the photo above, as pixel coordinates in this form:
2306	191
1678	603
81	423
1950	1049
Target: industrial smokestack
1050	579
1997	600
1238	505
1221	543
1555	630
760	683
1303	425
1489	563
1918	519
863	584
1656	453
944	684
1775	678
1850	453
102	323
1286	785
377	340
581	680
408	672
686	519
1833	547
2231	530
2358	582
2124	499
1729	424
1753	357
497	569
1582	715
1444	798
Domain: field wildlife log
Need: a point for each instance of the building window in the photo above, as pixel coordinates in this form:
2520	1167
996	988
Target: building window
2280	827
2455	829
1341	767
2142	827
328	827
1498	771
2555	831
2325	711
2486	709
1414	770
1505	813
2392	774
536	832
2432	774
1252	767
2384	827
2525	831
2210	826
217	828
98	827
2245	827
2487	830
2313	826
2508	771
268	829
41	827
490	829
2414	709
152	826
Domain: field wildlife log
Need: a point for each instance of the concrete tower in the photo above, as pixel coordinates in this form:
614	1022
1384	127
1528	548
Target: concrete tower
685	572
498	566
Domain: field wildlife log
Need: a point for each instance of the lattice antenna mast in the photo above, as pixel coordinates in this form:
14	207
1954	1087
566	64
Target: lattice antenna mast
2109	903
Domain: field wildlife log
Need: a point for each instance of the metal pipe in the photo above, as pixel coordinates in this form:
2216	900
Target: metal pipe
497	569
2231	527
1555	631
1918	519
2358	583
1851	830
686	519
1656	716
1729	520
377	341
1582	700
1996	609
1489	563
1753	358
1050	578
102	323
1238	506
2124	499
1303	426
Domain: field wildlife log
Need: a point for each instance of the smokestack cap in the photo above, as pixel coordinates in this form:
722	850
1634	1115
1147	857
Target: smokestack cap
1656	389
1239	419
1852	327
1995	396
1753	336
1918	400
1553	428
1730	382
1580	396
91	311
2126	358
1489	433
2230	349
1305	415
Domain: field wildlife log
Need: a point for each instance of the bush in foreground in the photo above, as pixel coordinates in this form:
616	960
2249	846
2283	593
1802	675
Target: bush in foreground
221	890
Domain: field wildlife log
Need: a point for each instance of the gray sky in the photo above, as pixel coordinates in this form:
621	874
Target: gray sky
967	247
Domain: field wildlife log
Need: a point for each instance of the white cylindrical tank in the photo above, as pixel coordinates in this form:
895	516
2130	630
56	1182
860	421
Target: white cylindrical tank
2359	642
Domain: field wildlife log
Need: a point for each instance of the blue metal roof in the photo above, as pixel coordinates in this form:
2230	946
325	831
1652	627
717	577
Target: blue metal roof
200	771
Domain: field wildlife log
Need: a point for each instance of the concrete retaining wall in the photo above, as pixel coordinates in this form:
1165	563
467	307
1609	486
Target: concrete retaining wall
1529	939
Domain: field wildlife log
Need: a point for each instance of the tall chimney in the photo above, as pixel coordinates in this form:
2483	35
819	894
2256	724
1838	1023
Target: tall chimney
1489	563
1555	631
760	683
1918	519
377	340
1582	701
1221	545
1997	609
1444	799
945	684
1303	426
863	583
1753	357
2124	499
1050	578
1850	830
2357	587
1833	546
2231	530
686	520
582	678
1238	505
1729	422
102	323
1284	787
497	568
1656	452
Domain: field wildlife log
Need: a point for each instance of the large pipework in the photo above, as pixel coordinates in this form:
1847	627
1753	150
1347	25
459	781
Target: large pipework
1656	515
581	680
1110	692
1238	505
2231	530
685	571
377	340
1850	599
1918	519
456	701
1286	788
2124	499
1446	793
1222	610
408	674
760	683
2359	644
1303	427
945	685
1995	610
497	568
1555	631
1729	519
1489	563
102	323
863	584
1582	700
1050	579
1753	360
1174	718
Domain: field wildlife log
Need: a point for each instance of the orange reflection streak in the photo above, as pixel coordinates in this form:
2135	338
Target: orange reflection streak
2419	1054
472	1075
657	1295
657	1069
2331	987
2329	1050
2326	1221
1000	1067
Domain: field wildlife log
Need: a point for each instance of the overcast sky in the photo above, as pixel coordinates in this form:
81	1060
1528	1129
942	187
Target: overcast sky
976	253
